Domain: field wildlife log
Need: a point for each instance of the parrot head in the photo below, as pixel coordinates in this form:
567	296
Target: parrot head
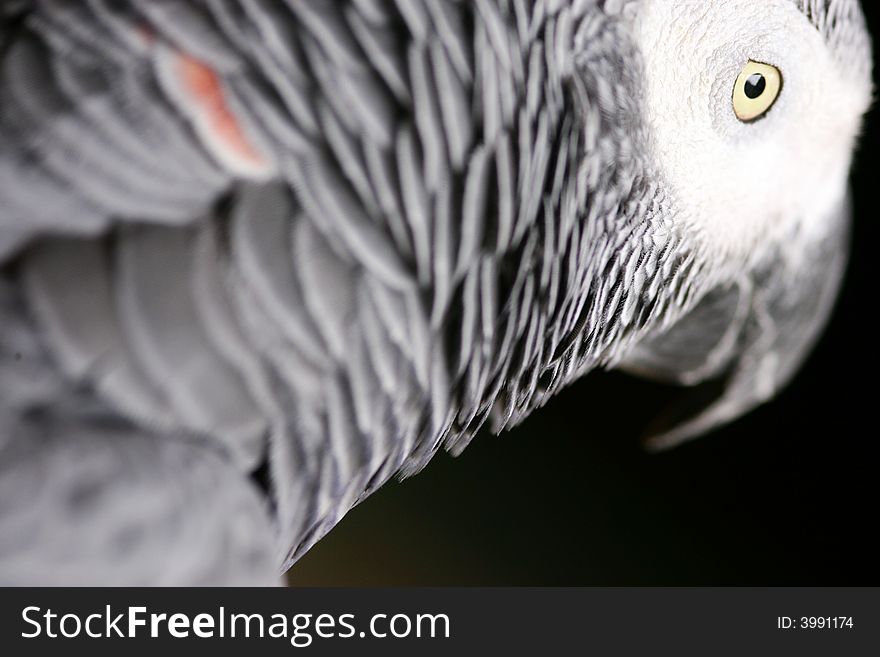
751	112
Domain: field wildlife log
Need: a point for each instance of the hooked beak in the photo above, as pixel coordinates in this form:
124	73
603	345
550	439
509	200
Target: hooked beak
742	343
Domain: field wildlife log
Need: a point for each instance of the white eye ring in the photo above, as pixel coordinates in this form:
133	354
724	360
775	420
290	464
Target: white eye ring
756	91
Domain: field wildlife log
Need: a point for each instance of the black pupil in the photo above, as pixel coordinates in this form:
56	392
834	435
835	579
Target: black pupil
755	85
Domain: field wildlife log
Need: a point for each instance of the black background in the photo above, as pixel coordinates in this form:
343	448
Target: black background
786	496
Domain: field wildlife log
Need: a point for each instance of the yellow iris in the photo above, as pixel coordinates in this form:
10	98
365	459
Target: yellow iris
756	90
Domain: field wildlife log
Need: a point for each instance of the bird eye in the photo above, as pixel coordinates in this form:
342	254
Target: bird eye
756	89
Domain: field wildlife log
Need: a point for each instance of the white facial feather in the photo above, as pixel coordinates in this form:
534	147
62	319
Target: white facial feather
741	185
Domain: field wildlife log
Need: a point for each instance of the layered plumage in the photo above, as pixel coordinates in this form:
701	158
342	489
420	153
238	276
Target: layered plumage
261	256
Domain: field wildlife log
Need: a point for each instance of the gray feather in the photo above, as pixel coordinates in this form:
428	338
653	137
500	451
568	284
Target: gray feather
311	244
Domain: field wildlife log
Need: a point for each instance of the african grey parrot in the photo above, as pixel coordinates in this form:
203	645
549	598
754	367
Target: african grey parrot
260	256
